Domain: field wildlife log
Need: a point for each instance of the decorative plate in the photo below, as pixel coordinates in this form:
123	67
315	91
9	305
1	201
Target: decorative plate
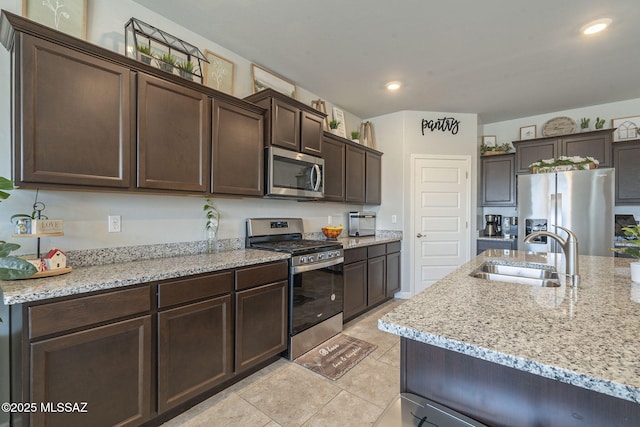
559	126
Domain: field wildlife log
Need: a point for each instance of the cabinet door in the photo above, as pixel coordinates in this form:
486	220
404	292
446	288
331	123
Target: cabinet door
529	152
355	289
311	133
483	245
238	150
355	174
376	275
596	145
195	350
261	324
626	158
498	185
109	367
333	153
173	136
73	117
393	283
285	125
373	195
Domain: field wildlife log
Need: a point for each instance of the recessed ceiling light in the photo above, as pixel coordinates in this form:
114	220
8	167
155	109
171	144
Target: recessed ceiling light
393	85
596	26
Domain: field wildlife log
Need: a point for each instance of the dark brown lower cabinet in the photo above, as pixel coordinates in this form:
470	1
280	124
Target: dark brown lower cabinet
108	367
393	284
195	350
376	275
355	288
261	324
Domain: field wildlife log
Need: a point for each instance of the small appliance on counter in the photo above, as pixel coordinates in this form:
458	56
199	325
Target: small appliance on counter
510	227
493	226
362	224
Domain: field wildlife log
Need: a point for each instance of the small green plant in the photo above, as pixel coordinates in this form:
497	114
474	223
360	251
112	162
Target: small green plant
599	123
355	134
500	147
167	58
633	251
142	48
333	124
186	66
584	123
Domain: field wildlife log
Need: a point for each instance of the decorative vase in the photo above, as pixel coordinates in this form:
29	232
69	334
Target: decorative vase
635	271
212	240
185	74
356	140
143	57
334	131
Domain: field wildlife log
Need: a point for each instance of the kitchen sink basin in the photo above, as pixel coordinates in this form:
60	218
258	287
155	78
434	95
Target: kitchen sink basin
526	275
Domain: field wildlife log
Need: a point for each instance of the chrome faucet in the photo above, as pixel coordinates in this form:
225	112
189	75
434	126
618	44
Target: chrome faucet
569	247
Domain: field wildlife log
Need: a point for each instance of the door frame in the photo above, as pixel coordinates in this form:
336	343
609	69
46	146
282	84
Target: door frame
412	232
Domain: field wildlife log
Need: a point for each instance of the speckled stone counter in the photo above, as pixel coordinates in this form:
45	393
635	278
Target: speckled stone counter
380	237
109	276
587	336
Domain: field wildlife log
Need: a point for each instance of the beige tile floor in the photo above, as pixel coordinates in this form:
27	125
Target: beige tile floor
286	394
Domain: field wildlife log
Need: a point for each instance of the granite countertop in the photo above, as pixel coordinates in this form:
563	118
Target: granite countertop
587	336
108	276
356	242
501	237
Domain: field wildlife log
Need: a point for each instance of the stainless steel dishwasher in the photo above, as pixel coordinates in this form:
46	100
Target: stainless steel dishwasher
412	410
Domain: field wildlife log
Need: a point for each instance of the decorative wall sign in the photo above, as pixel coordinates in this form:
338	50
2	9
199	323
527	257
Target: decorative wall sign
218	73
489	140
528	132
445	124
338	115
559	126
626	128
68	16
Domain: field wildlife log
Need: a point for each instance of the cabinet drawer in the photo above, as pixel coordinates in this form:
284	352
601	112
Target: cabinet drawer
355	255
377	250
393	247
84	311
261	274
191	289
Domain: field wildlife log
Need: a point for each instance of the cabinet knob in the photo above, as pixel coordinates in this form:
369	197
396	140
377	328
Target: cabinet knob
420	235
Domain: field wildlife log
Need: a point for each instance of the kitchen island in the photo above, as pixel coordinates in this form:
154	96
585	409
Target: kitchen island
514	354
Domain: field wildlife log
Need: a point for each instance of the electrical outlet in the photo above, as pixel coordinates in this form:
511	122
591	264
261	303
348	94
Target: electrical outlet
329	220
115	223
394	219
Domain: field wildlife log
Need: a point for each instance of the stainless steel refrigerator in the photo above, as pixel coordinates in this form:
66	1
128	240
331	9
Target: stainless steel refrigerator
579	200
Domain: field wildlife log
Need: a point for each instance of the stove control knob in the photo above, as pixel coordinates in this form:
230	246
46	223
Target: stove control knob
329	254
303	259
311	258
321	256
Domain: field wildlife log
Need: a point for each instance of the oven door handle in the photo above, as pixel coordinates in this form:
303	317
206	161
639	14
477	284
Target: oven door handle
308	267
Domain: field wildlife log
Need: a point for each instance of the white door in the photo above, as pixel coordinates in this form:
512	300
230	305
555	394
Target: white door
441	215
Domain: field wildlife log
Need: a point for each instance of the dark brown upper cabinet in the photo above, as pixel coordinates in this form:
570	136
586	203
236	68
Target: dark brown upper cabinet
73	116
333	153
498	180
290	123
363	174
174	125
373	181
596	144
238	150
626	157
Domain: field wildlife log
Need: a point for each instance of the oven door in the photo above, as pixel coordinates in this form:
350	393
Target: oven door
316	294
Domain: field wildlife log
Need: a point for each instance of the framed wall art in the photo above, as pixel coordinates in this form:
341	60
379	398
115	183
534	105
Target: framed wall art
527	132
68	16
489	140
263	79
218	73
626	128
338	115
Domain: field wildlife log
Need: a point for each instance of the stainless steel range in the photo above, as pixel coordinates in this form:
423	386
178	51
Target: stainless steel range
316	281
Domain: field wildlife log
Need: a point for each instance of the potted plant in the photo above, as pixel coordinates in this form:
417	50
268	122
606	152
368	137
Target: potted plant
633	250
144	54
564	163
186	69
599	123
333	126
584	124
355	136
166	62
213	222
488	150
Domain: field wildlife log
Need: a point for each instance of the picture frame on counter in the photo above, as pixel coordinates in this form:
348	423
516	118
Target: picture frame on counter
69	16
626	128
218	73
489	140
528	132
265	79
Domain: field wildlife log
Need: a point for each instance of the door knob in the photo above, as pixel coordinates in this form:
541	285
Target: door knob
421	235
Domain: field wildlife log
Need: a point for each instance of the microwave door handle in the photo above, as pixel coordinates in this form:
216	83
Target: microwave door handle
316	178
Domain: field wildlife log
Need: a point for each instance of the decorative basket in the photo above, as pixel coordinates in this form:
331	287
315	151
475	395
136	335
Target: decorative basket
563	168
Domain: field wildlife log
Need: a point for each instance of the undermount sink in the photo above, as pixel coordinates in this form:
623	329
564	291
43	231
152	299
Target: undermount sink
527	275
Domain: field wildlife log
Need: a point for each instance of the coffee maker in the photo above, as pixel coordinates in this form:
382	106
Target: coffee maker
493	226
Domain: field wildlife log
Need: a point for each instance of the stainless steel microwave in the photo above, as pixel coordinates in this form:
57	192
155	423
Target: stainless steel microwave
291	174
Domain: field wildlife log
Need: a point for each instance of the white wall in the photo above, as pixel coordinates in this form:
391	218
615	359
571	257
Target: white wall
509	130
399	136
146	219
